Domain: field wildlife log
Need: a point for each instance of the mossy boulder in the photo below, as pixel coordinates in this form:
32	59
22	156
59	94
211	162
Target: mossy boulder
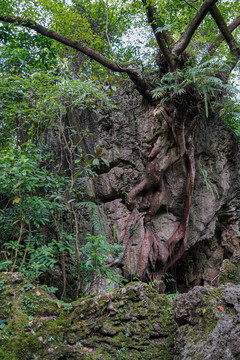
229	272
209	323
134	322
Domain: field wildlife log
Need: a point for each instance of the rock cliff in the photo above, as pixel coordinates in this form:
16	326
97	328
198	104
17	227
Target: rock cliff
124	133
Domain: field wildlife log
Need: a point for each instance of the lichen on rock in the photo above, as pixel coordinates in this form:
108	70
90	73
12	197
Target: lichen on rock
209	323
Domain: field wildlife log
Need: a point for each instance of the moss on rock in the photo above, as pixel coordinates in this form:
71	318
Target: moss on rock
209	323
134	322
229	272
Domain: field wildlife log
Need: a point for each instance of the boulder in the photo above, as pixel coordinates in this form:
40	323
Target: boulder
133	322
209	323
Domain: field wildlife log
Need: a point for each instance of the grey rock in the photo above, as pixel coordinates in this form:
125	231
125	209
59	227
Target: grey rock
209	323
216	201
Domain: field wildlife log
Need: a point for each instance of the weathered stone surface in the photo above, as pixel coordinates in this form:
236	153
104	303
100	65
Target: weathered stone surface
229	272
215	207
133	322
209	320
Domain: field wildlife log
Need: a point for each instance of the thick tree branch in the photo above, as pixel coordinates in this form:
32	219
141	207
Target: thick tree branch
133	72
220	37
183	42
64	40
225	31
162	37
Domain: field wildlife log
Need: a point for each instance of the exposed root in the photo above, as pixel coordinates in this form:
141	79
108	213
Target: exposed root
153	250
157	256
181	234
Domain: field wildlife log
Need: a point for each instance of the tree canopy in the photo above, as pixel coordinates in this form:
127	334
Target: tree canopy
179	30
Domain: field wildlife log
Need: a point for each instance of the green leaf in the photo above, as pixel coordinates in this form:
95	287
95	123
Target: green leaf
99	151
206	104
106	162
162	28
95	162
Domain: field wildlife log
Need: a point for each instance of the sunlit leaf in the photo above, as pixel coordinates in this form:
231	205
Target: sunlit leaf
16	200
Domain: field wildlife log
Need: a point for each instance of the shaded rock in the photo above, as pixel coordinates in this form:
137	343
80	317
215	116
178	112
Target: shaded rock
229	272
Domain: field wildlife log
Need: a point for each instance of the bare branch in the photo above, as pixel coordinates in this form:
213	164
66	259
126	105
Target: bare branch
190	4
162	37
133	72
183	42
220	37
225	31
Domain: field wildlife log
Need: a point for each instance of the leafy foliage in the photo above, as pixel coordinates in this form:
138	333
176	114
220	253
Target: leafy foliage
33	187
95	255
201	76
22	52
33	237
230	111
34	102
209	184
26	191
202	80
56	14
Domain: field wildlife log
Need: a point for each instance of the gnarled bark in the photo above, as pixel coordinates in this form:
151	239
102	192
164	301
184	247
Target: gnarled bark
174	141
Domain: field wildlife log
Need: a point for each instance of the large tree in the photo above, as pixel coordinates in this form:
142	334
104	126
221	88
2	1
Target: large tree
186	36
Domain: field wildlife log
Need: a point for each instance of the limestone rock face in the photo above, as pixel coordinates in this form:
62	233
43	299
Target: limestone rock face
209	323
216	201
